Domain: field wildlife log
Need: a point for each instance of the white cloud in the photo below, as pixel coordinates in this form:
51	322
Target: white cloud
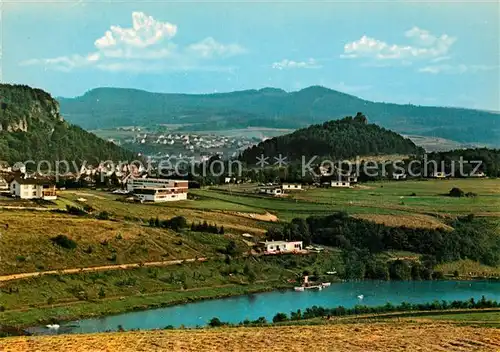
456	69
145	47
290	64
209	47
426	46
145	32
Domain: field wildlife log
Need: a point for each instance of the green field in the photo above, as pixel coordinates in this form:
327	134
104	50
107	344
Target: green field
383	198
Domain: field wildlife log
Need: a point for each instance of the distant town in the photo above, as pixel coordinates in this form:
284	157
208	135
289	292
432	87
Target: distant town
196	147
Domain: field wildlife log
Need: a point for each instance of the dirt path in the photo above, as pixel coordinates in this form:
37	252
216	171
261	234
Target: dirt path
254	216
97	268
15	207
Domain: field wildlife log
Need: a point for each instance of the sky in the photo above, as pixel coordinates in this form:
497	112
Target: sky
424	53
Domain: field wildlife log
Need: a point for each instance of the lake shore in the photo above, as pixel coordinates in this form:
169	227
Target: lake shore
111	307
24	318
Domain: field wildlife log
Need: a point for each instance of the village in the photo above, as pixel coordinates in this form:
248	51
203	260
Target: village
191	146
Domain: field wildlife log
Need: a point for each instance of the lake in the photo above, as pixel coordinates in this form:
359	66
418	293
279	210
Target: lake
237	309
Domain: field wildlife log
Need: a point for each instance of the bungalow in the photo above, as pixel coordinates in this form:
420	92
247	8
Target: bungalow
478	174
438	174
4	184
271	190
33	188
353	178
272	247
337	183
291	187
399	176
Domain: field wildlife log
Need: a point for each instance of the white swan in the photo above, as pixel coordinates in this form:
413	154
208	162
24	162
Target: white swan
361	296
54	327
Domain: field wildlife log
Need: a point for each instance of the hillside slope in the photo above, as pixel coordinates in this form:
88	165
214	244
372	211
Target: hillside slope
31	128
339	139
270	107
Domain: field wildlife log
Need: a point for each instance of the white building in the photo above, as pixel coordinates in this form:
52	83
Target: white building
4	185
478	174
281	246
272	190
399	176
438	174
337	183
32	188
291	187
158	190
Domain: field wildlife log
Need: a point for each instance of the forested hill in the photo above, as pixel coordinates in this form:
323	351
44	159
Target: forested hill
31	128
336	140
270	107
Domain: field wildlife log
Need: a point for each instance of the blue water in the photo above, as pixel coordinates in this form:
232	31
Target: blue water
239	308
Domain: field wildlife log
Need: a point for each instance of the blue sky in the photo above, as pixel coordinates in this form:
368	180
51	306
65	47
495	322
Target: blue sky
395	51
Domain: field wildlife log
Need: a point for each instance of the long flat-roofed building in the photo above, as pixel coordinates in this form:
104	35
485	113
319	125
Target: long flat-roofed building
157	189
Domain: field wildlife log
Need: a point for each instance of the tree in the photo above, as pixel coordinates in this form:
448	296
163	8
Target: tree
280	317
400	270
231	248
215	322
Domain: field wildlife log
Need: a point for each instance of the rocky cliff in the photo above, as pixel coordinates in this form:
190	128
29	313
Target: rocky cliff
32	128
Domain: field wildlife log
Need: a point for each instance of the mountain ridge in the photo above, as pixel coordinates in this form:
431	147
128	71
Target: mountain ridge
270	107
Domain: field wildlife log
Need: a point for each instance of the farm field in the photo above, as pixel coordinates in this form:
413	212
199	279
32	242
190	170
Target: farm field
398	199
393	336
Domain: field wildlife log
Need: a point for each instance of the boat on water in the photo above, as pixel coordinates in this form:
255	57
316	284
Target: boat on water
318	287
311	286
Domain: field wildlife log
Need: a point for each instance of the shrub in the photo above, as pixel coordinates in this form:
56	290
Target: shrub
75	210
400	270
20	258
176	223
279	317
260	321
215	322
456	192
88	208
103	215
102	293
64	242
471	194
231	248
